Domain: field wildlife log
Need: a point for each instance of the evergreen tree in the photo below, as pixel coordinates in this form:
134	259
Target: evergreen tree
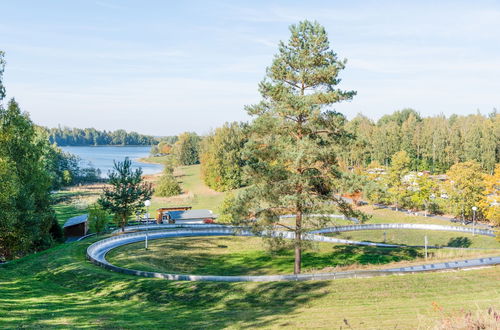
127	193
291	160
2	67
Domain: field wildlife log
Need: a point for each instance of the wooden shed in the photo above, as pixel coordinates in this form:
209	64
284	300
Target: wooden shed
76	226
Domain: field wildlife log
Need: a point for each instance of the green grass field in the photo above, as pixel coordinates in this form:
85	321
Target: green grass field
70	203
59	288
229	255
416	237
195	193
156	160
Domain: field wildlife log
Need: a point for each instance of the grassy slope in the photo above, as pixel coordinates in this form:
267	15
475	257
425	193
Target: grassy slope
195	193
247	256
416	237
60	288
71	203
155	160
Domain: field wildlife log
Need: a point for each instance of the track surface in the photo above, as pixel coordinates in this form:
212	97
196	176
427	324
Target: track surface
96	252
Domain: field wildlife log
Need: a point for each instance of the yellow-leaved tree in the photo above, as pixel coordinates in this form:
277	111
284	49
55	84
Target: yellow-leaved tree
491	201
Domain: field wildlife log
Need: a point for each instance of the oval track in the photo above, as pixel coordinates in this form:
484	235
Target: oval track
96	252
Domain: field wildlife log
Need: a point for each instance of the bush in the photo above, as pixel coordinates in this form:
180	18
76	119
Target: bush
56	231
167	186
98	218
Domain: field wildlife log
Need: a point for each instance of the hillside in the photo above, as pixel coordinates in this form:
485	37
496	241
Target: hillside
59	288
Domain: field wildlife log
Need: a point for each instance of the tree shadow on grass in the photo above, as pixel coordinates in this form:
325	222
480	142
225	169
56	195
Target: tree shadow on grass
205	260
62	289
347	255
59	288
219	305
459	242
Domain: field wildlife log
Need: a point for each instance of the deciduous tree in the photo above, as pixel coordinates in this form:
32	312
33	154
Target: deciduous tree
26	217
186	149
398	187
465	188
98	218
167	185
425	192
221	158
491	201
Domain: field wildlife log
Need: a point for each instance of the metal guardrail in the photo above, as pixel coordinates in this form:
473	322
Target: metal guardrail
414	226
168	226
332	216
96	253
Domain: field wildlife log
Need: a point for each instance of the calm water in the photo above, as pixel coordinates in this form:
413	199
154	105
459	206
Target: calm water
102	157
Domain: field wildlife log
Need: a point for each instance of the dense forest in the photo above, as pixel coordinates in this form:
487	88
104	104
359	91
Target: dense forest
394	161
64	136
432	143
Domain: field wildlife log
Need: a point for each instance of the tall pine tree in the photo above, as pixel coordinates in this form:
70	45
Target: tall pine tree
291	157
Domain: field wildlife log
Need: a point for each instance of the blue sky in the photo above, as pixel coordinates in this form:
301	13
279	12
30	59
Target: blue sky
164	67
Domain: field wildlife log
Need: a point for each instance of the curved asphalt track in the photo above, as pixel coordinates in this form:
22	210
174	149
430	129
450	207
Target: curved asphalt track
96	252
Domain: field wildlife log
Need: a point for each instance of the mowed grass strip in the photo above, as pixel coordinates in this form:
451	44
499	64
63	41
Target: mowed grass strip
233	255
417	238
59	288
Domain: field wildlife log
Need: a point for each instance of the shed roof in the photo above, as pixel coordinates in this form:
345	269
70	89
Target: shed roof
76	220
191	214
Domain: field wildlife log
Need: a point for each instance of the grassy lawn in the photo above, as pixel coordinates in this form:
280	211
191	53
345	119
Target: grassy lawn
58	288
247	256
155	160
195	192
416	237
73	202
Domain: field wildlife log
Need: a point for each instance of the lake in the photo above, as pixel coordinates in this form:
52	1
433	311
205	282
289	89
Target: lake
102	157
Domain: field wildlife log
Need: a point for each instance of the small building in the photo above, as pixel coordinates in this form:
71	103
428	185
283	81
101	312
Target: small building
76	226
162	213
190	216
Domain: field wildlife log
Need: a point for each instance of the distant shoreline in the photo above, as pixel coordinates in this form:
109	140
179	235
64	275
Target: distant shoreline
153	160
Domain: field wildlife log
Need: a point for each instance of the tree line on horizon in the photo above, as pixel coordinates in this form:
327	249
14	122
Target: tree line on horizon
463	148
433	143
65	136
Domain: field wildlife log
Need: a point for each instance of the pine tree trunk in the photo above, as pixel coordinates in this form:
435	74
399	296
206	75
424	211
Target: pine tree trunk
124	218
298	243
